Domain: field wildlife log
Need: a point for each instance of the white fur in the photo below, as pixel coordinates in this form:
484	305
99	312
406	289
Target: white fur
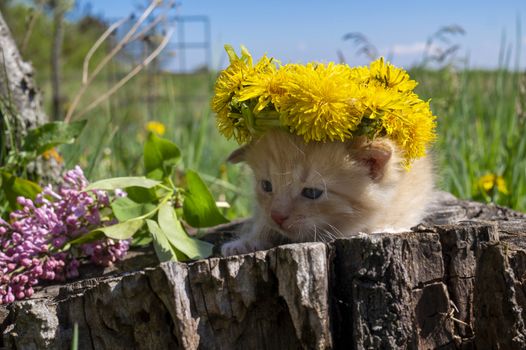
365	189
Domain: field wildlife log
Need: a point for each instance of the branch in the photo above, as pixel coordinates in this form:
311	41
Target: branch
97	44
154	4
156	21
130	75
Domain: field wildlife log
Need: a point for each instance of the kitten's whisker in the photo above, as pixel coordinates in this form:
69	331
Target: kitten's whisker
322	235
282	173
336	230
291	227
297	147
319	233
329	236
350	215
324	183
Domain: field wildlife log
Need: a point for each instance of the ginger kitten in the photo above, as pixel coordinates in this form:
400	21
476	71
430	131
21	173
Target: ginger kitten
321	191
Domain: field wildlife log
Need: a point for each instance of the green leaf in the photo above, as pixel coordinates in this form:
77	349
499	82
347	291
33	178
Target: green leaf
162	246
52	134
160	155
125	209
163	249
91	236
14	187
141	194
157	173
171	226
122	183
141	238
199	207
122	230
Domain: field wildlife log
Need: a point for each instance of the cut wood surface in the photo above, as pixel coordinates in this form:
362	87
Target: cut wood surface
456	281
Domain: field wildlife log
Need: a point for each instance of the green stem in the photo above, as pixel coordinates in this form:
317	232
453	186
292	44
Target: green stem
170	189
268	115
153	211
170	181
266	123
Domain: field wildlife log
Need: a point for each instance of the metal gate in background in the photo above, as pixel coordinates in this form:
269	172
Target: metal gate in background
182	46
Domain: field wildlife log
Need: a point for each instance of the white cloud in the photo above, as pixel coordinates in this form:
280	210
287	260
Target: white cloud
301	46
408	49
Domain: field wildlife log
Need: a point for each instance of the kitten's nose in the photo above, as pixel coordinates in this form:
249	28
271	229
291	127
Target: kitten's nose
278	217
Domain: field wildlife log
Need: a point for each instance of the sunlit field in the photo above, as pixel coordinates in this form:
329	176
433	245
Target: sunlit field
481	118
479	154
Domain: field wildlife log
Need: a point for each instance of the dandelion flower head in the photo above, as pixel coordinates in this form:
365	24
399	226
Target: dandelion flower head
322	102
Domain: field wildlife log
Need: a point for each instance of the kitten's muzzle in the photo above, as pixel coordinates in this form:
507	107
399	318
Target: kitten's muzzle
279	218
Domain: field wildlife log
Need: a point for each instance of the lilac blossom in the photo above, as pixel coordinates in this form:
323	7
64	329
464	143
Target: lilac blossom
32	242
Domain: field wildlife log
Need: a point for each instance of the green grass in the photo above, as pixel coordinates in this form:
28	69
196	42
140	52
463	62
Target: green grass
112	142
481	119
481	125
480	130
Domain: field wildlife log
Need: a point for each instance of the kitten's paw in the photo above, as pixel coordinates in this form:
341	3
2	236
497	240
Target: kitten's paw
241	246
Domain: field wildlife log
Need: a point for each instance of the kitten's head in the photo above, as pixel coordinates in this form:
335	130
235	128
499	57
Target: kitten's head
319	191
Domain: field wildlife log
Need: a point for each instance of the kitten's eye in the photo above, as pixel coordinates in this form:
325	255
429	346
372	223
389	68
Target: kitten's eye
311	193
266	185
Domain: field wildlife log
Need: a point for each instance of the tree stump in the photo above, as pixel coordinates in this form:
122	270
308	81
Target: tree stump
455	282
18	88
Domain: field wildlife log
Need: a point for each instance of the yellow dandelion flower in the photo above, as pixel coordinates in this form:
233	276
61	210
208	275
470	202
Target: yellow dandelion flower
390	76
228	84
156	127
501	185
53	153
233	125
487	182
265	87
420	133
412	127
225	124
231	79
490	181
320	103
378	99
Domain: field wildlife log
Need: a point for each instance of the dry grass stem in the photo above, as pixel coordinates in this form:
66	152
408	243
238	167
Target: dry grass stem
120	45
97	44
130	75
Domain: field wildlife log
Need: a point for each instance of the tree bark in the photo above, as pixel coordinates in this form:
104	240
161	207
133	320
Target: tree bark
18	87
455	282
17	84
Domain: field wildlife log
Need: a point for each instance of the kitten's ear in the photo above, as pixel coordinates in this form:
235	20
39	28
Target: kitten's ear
237	156
374	155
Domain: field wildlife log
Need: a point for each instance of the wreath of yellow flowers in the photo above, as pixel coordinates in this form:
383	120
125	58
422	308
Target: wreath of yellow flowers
322	102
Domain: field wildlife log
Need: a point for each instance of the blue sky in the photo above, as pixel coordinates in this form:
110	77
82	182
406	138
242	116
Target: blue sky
303	31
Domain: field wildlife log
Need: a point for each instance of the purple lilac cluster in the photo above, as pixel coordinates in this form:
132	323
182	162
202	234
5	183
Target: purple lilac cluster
31	244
